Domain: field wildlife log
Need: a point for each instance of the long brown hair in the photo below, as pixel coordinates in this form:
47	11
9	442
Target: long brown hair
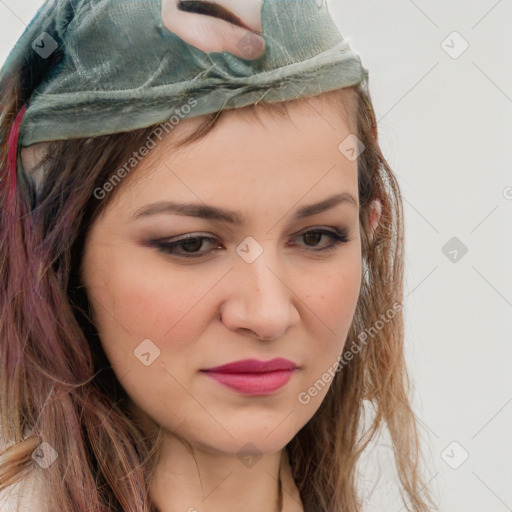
56	384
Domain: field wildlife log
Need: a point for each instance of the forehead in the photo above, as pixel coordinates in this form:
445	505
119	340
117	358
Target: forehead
258	162
331	114
270	150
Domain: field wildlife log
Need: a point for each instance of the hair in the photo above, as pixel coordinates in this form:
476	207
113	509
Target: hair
56	384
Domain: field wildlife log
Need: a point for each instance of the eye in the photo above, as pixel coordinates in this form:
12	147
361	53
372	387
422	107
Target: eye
189	246
313	236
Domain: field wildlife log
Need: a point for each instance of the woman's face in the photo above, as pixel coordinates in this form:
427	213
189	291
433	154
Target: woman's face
261	278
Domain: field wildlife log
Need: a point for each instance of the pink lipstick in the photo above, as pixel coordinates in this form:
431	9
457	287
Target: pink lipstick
253	377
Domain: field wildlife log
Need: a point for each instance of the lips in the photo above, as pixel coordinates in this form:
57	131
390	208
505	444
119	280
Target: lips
254	366
253	377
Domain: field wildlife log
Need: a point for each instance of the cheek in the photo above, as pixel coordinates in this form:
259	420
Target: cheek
135	298
143	295
336	300
149	318
331	303
331	295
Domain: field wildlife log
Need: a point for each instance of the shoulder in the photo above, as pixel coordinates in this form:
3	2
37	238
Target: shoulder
23	496
26	495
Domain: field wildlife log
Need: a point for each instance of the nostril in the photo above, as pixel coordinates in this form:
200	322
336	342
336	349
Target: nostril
211	9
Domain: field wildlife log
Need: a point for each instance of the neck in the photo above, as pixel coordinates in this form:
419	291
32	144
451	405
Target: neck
200	480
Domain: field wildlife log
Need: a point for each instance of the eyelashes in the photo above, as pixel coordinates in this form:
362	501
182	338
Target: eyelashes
192	243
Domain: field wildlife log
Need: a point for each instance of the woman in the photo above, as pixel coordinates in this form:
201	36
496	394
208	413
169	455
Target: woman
201	263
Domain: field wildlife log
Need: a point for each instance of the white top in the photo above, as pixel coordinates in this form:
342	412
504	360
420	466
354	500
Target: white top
23	496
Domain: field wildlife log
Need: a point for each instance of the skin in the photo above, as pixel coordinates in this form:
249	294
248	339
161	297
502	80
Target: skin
290	302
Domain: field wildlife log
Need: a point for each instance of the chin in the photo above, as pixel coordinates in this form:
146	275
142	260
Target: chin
265	435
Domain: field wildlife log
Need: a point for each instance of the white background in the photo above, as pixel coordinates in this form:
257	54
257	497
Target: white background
445	126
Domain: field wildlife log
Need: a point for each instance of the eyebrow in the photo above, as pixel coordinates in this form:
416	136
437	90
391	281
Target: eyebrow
214	213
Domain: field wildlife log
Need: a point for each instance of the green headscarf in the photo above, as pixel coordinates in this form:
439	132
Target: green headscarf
108	66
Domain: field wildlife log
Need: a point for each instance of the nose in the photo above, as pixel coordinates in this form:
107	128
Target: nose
216	26
260	301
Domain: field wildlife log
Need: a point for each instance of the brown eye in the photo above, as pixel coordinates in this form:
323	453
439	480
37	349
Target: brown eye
187	247
312	238
192	245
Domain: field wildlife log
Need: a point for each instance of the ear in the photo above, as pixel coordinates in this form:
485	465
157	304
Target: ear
31	157
374	215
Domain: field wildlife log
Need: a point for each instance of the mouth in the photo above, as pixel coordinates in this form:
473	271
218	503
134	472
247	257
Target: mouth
253	377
